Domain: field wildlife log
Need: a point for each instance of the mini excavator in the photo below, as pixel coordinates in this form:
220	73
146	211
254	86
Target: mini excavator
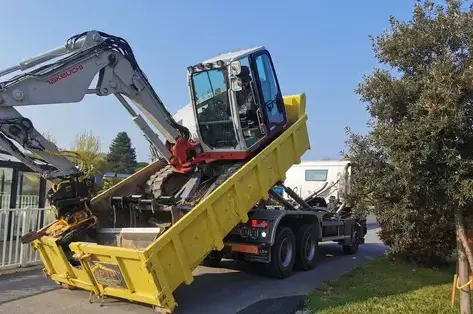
235	97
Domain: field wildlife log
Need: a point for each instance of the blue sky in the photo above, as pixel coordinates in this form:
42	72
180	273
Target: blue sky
317	47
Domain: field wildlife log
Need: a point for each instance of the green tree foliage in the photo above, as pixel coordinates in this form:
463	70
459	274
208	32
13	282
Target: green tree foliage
141	165
122	156
90	159
415	166
108	183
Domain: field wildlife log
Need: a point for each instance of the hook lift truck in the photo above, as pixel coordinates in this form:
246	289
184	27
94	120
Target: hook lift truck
267	236
202	199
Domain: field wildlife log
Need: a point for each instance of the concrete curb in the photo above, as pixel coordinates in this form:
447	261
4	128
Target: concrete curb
19	270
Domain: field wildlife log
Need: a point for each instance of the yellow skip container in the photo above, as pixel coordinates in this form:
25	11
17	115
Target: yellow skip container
151	274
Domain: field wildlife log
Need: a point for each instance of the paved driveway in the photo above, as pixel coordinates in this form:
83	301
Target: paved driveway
232	288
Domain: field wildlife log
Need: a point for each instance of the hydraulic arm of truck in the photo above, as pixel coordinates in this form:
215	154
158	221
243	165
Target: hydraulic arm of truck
67	80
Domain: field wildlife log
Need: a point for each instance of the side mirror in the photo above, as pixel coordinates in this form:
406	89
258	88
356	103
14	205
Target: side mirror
235	68
236	84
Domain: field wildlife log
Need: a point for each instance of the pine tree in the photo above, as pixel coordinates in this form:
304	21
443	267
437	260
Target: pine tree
122	156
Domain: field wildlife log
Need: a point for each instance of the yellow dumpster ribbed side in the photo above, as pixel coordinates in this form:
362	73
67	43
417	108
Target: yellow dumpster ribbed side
152	275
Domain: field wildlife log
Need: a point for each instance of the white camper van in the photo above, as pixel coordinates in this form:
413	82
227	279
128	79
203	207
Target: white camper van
328	179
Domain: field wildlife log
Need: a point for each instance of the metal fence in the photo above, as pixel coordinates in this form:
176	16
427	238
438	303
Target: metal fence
14	223
22	201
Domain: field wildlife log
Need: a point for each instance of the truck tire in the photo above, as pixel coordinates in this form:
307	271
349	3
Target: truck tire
354	244
307	247
213	259
283	254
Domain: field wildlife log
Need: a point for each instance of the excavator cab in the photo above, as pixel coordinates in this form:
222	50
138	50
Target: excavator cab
237	103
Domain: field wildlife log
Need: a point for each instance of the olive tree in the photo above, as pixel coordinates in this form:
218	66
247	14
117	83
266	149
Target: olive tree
415	164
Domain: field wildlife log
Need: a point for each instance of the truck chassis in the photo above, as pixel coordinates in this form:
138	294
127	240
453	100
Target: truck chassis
286	237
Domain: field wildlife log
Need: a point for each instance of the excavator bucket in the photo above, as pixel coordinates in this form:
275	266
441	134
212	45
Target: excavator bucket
148	266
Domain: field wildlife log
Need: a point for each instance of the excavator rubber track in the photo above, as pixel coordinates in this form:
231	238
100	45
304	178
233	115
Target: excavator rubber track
156	181
206	188
150	275
165	181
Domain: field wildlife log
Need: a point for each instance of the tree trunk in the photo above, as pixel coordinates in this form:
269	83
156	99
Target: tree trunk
464	293
463	261
460	227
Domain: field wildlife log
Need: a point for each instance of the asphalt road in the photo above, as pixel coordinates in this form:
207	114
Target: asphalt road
232	288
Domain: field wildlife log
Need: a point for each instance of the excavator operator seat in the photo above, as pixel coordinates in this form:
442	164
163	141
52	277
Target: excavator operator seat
245	99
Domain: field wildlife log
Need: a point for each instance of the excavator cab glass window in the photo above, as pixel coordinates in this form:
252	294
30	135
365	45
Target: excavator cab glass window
271	94
210	89
248	106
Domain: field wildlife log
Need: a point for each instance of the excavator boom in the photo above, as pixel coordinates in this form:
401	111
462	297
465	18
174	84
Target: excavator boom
67	80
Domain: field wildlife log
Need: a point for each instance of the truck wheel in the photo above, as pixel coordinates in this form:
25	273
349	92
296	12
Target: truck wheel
213	259
354	244
283	254
307	247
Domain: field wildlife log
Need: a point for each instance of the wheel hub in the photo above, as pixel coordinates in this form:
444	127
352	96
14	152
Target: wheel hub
310	248
285	252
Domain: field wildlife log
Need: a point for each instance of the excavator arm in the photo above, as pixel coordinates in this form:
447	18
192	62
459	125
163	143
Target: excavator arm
67	80
64	75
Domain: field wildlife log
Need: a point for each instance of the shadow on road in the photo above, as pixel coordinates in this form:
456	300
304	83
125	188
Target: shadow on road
249	281
25	284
